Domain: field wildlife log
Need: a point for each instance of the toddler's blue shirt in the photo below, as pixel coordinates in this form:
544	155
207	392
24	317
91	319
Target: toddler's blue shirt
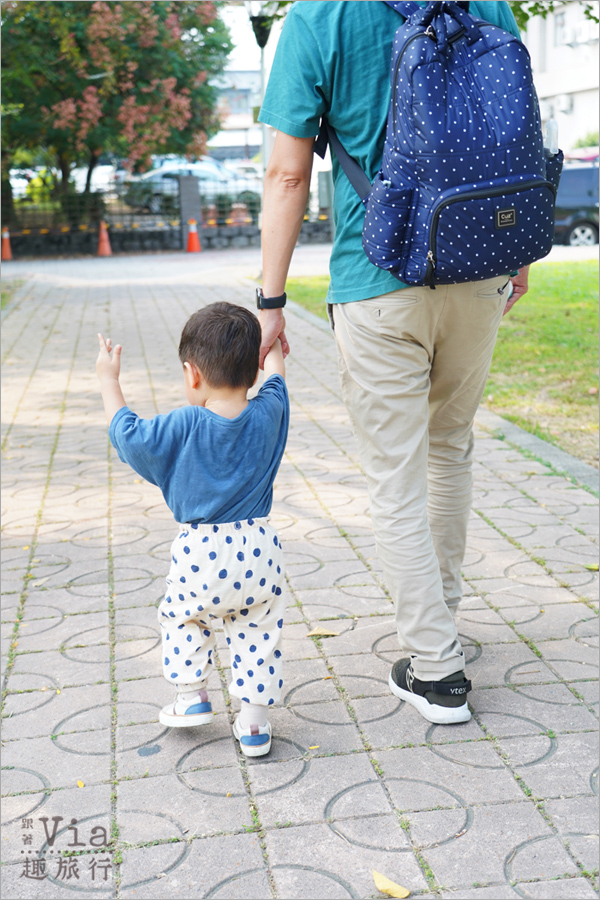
210	469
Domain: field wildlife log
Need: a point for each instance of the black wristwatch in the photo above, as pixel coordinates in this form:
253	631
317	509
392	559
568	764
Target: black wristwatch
263	302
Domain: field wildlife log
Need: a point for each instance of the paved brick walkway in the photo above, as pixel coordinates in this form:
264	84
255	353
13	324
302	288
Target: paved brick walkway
501	807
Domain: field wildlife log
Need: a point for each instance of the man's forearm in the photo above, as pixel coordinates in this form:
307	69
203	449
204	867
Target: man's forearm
284	206
286	191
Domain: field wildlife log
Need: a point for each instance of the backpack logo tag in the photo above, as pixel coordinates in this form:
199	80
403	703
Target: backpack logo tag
506	218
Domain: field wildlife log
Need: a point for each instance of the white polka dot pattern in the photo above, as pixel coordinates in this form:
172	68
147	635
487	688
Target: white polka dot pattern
230	576
463	146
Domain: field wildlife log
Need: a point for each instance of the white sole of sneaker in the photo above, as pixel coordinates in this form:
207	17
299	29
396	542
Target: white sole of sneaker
192	721
438	715
260	750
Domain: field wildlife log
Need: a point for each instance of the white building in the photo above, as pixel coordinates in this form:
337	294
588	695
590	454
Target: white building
564	53
239	97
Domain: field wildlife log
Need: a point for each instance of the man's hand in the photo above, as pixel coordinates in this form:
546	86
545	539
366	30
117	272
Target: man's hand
520	285
272	323
108	367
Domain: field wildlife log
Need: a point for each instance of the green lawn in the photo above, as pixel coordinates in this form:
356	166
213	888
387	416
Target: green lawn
309	293
544	373
8	289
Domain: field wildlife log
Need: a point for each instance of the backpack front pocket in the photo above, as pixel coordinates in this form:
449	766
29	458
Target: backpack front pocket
386	221
479	234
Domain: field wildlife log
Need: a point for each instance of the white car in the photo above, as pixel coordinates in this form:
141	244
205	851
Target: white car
103	178
157	190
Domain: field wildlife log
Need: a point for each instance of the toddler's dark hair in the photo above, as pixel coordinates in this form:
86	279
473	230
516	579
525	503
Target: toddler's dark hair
223	340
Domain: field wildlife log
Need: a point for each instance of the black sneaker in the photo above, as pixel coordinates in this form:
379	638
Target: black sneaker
443	702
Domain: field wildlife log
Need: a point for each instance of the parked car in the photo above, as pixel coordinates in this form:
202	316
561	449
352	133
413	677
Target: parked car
246	169
576	222
103	178
157	190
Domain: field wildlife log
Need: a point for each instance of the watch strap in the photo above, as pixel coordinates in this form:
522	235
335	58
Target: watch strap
263	302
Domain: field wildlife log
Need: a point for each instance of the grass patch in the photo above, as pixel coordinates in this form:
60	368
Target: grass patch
544	372
309	293
8	288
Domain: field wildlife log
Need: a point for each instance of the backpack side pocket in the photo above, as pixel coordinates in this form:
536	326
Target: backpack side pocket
554	167
386	222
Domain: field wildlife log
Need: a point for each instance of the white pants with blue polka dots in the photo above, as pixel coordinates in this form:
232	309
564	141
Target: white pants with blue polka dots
232	573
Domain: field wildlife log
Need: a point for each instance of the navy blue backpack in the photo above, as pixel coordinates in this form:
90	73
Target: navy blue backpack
465	191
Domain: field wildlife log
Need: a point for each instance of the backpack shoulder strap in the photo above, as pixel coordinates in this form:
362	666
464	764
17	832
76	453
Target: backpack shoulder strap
357	178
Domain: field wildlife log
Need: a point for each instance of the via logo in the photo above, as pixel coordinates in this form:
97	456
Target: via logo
98	834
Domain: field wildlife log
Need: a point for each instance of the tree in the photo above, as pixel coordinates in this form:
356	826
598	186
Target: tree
591	139
129	78
523	10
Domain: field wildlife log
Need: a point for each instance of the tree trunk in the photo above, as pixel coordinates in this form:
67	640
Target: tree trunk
8	210
64	164
91	166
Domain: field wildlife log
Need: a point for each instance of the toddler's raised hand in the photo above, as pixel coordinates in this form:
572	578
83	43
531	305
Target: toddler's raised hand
108	366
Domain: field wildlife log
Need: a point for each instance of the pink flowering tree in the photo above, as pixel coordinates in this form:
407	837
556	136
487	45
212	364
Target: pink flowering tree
127	78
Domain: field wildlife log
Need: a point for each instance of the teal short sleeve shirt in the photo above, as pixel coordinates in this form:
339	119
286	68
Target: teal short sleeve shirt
333	57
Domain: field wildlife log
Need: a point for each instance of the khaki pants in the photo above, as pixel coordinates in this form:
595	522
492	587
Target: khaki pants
413	366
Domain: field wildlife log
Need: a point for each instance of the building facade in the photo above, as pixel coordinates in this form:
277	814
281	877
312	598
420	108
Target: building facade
564	53
239	97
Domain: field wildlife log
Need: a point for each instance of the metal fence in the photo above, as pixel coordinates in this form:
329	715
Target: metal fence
149	213
142	203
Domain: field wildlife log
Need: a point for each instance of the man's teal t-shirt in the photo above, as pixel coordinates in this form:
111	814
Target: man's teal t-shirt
334	58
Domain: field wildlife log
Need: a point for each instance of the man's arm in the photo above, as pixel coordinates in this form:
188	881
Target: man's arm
286	190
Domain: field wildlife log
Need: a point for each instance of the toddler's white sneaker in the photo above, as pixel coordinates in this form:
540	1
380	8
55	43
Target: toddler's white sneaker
254	740
190	709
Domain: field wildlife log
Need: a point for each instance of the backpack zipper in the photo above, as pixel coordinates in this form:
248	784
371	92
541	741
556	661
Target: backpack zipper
396	69
472	195
430	33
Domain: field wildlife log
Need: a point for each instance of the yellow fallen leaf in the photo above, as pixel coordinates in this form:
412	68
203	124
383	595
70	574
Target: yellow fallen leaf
388	887
322	632
57	691
593	567
228	794
315	747
26	547
80	784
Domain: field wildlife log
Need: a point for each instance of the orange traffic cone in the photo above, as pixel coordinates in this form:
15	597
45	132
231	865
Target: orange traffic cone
193	241
103	241
6	251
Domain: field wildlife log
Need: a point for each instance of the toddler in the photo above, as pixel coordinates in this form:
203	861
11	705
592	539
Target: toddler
215	462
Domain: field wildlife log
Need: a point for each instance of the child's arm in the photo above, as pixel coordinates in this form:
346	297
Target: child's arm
108	369
274	364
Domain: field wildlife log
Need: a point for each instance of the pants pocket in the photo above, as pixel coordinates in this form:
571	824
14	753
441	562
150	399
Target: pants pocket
494	289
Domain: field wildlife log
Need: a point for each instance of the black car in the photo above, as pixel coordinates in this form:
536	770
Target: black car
576	222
